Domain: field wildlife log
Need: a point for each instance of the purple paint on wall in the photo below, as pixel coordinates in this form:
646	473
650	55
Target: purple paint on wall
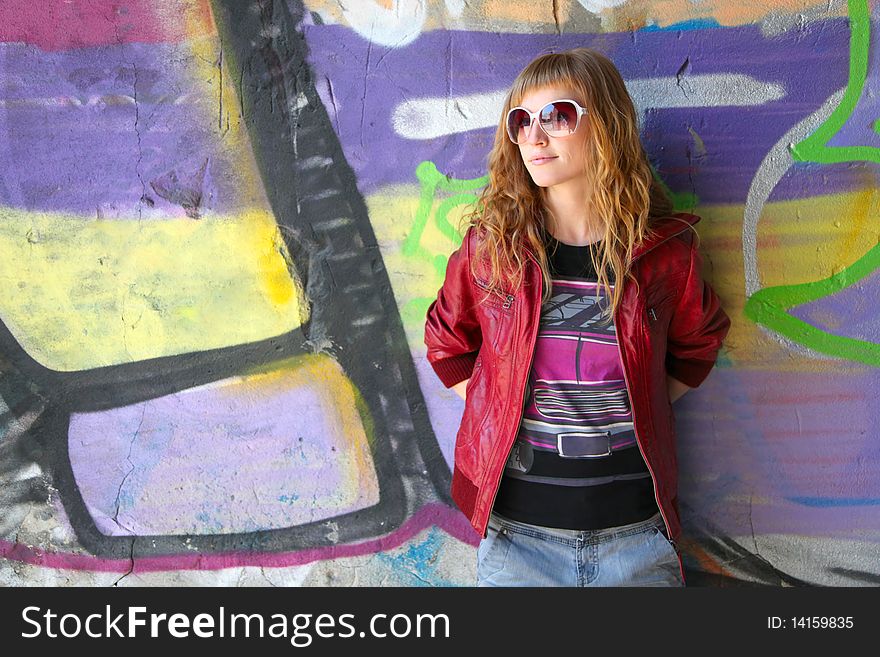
220	459
74	140
749	439
851	312
859	128
445	407
369	81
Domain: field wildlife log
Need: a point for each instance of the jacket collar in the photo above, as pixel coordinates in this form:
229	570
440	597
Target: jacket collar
665	228
662	229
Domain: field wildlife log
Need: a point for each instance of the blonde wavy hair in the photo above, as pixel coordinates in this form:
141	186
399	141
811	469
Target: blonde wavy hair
510	211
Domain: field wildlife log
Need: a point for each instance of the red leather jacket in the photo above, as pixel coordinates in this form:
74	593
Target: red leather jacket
671	323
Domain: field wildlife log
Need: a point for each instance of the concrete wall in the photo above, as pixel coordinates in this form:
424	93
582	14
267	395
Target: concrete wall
221	224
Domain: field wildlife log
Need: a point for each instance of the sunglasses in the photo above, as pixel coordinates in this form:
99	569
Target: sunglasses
559	118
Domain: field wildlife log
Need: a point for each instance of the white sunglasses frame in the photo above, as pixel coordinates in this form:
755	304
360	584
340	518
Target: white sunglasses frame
536	115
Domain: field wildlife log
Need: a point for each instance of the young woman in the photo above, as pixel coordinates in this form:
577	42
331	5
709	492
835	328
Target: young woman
571	317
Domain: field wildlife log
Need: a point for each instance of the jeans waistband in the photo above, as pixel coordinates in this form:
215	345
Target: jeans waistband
592	535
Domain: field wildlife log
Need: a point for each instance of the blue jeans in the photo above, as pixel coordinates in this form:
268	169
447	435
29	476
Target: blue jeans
519	554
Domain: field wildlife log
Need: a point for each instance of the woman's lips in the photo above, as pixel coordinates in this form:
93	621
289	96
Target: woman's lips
543	160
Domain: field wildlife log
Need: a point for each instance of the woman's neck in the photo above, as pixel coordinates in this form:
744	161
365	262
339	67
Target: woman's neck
570	219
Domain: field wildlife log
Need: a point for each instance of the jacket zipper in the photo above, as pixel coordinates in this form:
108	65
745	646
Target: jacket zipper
645	458
522	404
638	442
508	298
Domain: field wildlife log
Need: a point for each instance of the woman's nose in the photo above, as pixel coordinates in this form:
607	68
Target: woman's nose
535	134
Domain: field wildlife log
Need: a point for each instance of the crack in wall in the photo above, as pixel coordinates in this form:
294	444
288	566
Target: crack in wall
420	578
364	96
690	173
220	92
140	152
752	526
241	91
333	102
137	168
124	478
679	75
130	567
266	577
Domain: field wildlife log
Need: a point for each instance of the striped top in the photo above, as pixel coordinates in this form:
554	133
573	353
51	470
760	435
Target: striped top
575	463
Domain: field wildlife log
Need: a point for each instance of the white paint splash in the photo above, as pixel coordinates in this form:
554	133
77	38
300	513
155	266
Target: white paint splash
429	118
455	7
397	26
595	6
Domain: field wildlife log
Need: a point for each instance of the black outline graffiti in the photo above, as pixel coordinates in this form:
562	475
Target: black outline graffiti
354	315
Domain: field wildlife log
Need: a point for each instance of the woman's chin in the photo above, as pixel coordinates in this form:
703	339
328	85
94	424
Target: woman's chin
544	181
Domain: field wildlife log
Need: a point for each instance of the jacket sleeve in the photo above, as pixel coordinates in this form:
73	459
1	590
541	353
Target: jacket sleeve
697	328
452	328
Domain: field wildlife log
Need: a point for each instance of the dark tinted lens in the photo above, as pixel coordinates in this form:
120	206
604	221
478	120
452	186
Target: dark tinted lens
559	118
518	125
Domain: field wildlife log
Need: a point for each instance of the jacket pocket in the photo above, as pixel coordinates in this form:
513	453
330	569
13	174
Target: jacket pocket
496	312
478	406
660	301
493	297
478	369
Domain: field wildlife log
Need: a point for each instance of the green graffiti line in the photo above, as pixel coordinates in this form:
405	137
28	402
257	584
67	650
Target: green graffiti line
814	148
432	181
462	193
769	306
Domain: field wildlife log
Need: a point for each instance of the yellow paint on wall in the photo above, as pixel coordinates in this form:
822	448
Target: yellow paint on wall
807	240
84	293
525	12
392	213
195	16
798	241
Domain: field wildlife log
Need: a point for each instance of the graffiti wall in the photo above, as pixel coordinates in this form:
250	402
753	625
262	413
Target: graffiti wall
222	222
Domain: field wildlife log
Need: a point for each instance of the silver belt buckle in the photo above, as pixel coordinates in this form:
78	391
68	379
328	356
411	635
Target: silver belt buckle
581	445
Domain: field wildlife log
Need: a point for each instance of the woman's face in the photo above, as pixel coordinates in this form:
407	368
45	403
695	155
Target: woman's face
553	161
